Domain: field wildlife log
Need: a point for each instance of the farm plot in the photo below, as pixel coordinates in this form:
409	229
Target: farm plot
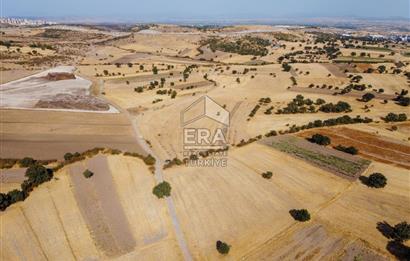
370	146
339	163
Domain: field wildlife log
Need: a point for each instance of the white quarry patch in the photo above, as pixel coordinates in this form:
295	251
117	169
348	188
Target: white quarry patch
39	92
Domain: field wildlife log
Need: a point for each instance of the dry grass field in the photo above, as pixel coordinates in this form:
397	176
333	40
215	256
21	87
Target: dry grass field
97	218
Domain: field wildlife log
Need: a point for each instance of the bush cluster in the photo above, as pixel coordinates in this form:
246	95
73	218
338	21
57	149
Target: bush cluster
247	45
36	174
162	190
393	117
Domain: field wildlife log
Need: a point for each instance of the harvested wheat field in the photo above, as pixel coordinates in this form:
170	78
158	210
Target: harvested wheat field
97	218
253	209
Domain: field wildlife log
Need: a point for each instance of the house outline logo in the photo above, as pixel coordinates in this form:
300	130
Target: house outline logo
209	109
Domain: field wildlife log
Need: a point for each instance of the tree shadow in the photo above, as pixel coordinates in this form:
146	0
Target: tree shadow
293	213
364	180
386	229
395	247
399	250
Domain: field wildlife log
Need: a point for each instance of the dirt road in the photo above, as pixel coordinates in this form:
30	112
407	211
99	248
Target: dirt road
159	178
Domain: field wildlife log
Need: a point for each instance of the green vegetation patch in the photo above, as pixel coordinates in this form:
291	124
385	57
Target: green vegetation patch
353	59
246	45
343	166
375	48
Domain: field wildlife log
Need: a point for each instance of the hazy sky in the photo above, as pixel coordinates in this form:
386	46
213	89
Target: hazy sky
191	9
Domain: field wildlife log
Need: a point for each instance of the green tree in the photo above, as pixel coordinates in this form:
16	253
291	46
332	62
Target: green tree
402	231
320	139
222	247
377	180
88	174
162	190
38	174
267	175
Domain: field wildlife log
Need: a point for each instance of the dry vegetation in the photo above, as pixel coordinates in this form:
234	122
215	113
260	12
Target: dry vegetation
280	85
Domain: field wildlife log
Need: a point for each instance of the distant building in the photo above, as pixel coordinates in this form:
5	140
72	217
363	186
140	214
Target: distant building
24	22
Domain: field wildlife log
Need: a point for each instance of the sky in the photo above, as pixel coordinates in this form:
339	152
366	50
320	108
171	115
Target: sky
209	9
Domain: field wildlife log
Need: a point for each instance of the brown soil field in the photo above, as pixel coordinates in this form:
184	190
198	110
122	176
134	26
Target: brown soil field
45	134
370	146
100	207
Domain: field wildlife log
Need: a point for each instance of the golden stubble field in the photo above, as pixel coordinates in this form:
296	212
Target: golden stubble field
109	215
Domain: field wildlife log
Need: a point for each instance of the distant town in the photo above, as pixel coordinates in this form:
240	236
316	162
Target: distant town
24	21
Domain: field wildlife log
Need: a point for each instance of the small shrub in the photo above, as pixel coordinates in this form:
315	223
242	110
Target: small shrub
368	97
68	156
88	174
301	215
267	175
161	190
222	247
377	180
149	160
351	150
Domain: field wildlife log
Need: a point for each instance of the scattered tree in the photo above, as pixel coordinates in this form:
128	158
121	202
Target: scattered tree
162	190
222	247
377	180
267	175
301	215
88	174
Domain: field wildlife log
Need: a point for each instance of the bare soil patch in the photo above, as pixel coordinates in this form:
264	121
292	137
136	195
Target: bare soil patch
334	69
69	101
101	208
12	175
59	76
